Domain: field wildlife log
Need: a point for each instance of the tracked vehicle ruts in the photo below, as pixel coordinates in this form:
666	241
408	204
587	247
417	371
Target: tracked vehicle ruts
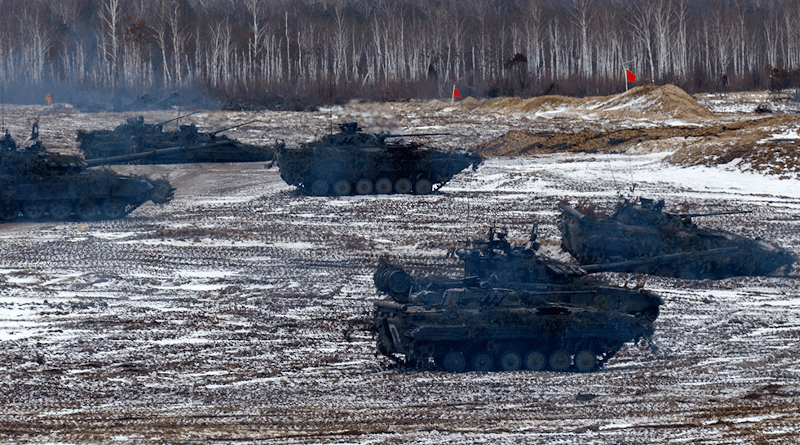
643	230
136	142
38	184
354	162
513	310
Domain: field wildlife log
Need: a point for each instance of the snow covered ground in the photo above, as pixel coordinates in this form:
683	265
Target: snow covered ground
239	312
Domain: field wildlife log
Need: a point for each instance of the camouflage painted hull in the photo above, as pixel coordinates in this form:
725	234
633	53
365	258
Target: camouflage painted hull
324	171
138	143
533	327
633	233
89	195
353	162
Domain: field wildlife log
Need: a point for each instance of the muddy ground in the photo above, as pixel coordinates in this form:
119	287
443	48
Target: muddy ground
239	312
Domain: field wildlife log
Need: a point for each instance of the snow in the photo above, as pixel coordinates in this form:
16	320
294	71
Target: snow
782	136
239	312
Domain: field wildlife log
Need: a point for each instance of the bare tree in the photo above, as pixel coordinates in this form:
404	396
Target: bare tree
218	65
641	23
533	38
110	16
581	17
680	52
720	44
288	48
339	45
791	33
772	35
159	30
274	43
662	32
255	7
177	30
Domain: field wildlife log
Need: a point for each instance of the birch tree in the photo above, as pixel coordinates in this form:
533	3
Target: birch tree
641	24
177	31
110	15
680	52
159	29
339	45
533	38
254	8
581	17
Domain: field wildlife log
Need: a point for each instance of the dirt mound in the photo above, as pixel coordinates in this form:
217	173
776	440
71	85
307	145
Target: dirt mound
752	143
520	143
517	105
666	101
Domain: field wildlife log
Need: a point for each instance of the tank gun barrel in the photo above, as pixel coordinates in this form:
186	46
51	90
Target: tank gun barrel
231	128
386	136
160	124
134	156
567	209
698	215
661	259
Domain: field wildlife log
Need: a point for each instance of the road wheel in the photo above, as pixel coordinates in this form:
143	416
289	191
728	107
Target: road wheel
60	210
559	360
34	209
402	186
510	361
383	186
481	362
364	186
319	187
454	361
86	210
342	187
535	361
585	361
8	211
423	187
112	208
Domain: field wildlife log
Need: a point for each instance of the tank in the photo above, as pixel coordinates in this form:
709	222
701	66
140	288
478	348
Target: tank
644	230
136	142
354	162
512	310
39	184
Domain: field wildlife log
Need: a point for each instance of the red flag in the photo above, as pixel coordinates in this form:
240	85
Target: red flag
629	76
455	92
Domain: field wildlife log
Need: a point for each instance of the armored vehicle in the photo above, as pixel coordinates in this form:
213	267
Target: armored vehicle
136	142
36	183
643	230
540	314
352	161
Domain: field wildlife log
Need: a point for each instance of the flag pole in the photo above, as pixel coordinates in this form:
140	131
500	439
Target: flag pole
453	95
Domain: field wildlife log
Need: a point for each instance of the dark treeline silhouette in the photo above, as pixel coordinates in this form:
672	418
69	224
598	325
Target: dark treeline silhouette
297	54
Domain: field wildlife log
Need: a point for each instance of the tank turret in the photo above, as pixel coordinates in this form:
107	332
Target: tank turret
513	309
38	184
637	231
354	162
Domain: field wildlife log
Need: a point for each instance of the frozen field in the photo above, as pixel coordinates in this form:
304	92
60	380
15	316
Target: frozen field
239	312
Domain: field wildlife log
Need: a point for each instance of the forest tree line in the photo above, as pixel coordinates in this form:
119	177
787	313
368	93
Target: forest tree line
301	53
